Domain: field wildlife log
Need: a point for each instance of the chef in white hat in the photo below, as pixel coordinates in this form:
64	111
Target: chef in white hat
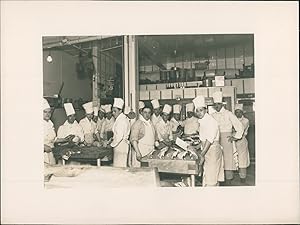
142	136
121	130
176	123
242	144
100	121
191	125
141	106
156	111
88	125
106	129
49	134
211	153
163	126
70	130
227	121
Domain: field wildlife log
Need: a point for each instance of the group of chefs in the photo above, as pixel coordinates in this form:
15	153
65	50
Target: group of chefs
223	148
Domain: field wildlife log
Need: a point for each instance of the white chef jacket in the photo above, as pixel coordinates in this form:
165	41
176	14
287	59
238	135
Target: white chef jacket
191	125
88	127
99	125
164	130
121	130
49	133
226	121
68	129
208	129
107	126
245	123
174	124
155	119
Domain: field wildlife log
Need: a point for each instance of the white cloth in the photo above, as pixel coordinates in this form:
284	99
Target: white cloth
49	138
155	103
69	109
199	102
164	130
174	124
118	103
141	104
213	168
155	119
146	143
242	145
68	129
227	120
107	126
88	127
176	108
208	129
238	106
191	125
99	125
121	130
107	108
190	107
218	97
167	109
96	110
45	104
88	107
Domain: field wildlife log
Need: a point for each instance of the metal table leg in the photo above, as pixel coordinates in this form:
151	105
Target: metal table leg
98	162
193	181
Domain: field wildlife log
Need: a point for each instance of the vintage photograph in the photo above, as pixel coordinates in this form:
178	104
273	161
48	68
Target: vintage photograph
149	110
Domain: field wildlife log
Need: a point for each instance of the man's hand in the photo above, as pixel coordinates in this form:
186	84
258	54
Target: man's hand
138	156
231	138
47	148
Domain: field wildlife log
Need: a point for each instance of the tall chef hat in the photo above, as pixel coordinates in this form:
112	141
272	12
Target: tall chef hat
190	107
96	109
102	109
107	108
155	103
118	103
88	107
199	102
45	104
126	110
238	106
141	105
167	109
176	108
218	96
69	109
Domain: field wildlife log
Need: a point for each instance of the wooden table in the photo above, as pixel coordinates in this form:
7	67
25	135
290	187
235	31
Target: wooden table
86	153
176	166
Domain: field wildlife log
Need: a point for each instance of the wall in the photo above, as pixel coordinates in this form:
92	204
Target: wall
62	69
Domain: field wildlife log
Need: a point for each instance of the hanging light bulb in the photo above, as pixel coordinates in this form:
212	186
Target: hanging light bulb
49	58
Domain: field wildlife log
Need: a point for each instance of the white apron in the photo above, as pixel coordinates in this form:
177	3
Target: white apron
243	152
213	168
229	163
145	144
121	154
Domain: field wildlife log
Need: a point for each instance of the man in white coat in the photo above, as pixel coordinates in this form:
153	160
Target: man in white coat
242	144
121	130
156	112
70	127
176	123
100	121
88	125
106	129
191	125
49	134
227	121
210	154
163	126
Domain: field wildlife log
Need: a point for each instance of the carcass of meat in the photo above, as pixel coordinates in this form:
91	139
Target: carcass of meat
163	152
181	155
